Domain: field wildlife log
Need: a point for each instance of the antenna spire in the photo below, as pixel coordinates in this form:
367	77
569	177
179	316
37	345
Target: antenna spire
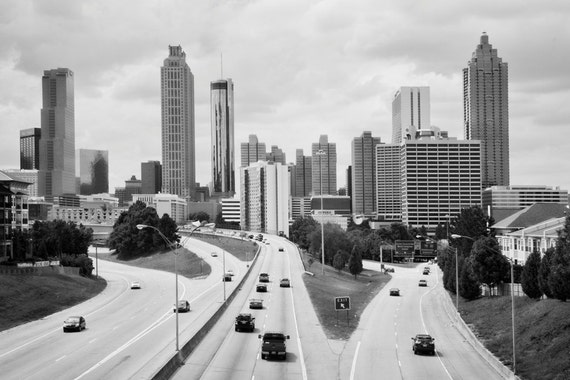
221	66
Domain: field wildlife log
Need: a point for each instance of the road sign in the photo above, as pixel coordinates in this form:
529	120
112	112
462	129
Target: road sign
342	303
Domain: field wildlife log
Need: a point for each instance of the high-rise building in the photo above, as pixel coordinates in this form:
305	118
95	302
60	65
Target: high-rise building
252	151
410	112
93	171
440	176
276	155
486	111
178	139
364	174
388	182
132	186
324	167
222	120
57	143
264	198
151	177
30	148
303	175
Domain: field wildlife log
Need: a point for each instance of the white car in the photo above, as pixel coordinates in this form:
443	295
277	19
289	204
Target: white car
135	285
230	272
214	254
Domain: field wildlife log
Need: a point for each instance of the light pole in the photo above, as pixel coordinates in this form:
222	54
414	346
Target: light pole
224	270
174	247
512	262
322	153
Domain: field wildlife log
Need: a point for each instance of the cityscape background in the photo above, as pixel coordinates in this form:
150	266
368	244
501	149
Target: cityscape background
300	70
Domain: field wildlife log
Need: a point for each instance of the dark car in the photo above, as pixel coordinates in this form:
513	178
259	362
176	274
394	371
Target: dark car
395	292
422	283
255	303
263	277
285	283
75	323
389	270
245	321
423	343
273	345
281	249
261	288
426	271
226	277
183	306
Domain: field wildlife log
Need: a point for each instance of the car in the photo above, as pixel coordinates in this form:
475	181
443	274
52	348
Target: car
183	306
261	288
214	254
273	345
230	272
74	323
422	283
426	271
263	277
281	249
255	303
226	277
395	292
423	343
244	321
389	270
135	285
285	283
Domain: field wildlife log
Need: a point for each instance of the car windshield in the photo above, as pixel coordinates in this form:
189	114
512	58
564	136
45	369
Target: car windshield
72	319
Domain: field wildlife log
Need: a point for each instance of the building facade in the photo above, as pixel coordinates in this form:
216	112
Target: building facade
324	167
170	204
29	176
265	198
252	151
57	143
231	210
93	171
30	148
13	213
410	112
151	177
222	127
363	174
486	111
178	135
276	155
303	175
388	182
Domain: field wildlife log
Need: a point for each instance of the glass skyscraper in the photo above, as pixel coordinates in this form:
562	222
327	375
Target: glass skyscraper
30	148
93	171
324	167
222	120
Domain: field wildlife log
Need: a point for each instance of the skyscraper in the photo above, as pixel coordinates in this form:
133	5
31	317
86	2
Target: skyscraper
388	182
486	111
252	151
178	141
30	148
93	171
324	167
57	144
151	177
363	174
303	175
410	112
276	155
222	120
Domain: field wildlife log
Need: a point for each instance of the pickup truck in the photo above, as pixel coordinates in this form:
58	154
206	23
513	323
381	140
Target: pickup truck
273	345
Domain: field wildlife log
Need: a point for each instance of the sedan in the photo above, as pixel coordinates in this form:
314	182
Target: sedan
284	283
255	303
422	283
75	323
261	288
135	285
395	292
214	254
183	306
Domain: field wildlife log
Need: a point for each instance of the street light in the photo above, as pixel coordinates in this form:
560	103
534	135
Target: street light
322	153
174	247
512	262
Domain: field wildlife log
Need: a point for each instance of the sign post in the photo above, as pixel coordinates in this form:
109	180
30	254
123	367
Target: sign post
342	303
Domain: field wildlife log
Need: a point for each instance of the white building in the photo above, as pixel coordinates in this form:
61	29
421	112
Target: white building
170	204
231	209
410	112
264	198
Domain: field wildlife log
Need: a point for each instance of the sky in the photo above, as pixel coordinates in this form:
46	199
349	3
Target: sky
301	69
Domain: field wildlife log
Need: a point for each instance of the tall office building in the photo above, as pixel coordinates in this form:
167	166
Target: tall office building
30	148
303	175
57	144
222	120
410	112
486	111
151	177
178	140
252	151
276	155
324	167
363	174
93	171
388	182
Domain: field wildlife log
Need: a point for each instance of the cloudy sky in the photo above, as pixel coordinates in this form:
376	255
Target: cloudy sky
301	68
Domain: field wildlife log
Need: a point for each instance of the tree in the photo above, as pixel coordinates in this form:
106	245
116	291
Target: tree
339	260
530	276
489	264
301	229
470	222
355	262
469	287
200	216
559	279
335	239
544	273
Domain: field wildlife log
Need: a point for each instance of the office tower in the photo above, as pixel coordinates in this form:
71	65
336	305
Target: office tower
410	112
388	182
93	171
178	140
30	148
264	198
324	167
486	111
222	120
363	174
303	174
276	155
252	151
440	176
151	177
132	186
57	144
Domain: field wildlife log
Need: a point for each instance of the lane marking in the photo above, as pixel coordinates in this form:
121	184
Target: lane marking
353	368
301	356
60	358
92	340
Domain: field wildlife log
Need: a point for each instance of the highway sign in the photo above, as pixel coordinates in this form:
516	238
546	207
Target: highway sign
342	303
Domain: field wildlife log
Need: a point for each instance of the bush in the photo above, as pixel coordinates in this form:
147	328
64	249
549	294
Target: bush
83	262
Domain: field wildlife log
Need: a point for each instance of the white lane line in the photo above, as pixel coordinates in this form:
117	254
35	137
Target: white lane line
60	358
301	356
353	368
92	340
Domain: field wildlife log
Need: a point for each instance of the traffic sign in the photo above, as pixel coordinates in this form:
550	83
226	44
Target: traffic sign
342	303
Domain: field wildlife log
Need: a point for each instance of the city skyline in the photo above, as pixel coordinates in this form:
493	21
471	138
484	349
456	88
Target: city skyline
316	69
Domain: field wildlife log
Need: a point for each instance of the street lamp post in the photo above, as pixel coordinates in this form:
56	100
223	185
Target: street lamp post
322	153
